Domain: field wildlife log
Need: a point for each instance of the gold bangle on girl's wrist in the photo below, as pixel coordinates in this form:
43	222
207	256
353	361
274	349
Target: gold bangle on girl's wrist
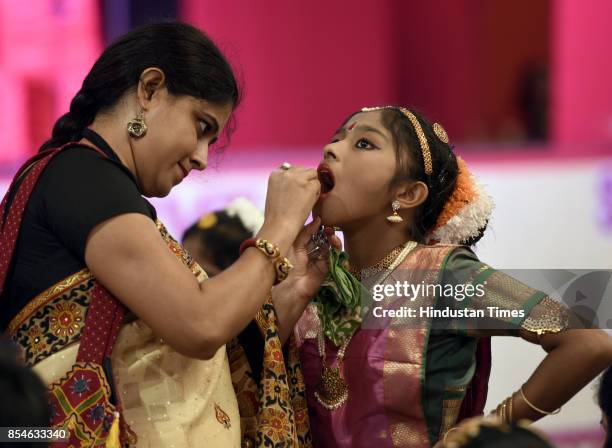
504	410
535	408
445	438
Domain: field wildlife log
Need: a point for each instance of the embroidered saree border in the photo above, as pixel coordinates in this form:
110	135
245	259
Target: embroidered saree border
411	344
46	296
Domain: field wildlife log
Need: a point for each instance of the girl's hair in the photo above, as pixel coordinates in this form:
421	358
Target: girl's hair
191	62
410	166
505	437
222	240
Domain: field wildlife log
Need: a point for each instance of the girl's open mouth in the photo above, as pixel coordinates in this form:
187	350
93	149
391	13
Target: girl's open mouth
326	177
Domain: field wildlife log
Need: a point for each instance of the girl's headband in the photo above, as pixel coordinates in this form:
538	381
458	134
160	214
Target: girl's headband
469	208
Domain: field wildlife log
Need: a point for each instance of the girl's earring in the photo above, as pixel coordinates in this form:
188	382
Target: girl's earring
136	126
395	218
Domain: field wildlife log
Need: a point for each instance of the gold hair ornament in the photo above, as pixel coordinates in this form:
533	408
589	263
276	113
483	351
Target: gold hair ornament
440	132
427	163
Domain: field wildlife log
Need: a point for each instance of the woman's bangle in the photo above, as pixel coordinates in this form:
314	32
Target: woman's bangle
269	249
535	408
246	244
282	265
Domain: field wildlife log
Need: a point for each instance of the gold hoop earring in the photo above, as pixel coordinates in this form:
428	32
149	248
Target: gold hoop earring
136	126
395	218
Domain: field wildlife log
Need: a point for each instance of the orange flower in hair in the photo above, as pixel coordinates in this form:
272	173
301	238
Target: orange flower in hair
466	212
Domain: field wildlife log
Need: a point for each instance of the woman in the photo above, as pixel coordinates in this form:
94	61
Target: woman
396	381
107	307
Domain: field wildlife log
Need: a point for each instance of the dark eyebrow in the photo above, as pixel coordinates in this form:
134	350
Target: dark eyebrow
366	128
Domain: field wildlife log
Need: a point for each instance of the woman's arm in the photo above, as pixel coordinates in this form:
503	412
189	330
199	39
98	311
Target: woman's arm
128	256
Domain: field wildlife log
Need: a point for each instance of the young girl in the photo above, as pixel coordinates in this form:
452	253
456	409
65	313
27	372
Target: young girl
409	210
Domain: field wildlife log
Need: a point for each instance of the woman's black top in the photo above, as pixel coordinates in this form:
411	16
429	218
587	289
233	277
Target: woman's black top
79	189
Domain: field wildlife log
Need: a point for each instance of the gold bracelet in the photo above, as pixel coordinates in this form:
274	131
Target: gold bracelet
510	416
271	250
536	408
499	411
282	265
444	441
504	410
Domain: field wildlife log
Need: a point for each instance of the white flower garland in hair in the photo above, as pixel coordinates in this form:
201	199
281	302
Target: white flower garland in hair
466	224
250	216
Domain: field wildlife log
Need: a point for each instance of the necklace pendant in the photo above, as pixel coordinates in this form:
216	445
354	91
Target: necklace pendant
332	391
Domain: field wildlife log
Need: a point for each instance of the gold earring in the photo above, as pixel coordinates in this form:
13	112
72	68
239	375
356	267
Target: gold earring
395	218
136	126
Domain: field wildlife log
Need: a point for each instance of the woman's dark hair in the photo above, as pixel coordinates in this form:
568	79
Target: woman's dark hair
222	240
410	166
505	437
604	399
191	62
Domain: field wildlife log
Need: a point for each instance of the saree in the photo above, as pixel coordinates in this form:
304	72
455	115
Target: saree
165	398
410	381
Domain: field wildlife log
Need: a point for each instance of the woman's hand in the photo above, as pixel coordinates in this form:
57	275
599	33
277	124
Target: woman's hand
291	296
291	195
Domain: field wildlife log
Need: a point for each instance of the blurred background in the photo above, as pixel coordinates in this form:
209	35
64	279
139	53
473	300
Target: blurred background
521	86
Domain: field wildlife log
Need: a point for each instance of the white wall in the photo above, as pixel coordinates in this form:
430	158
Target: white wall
546	218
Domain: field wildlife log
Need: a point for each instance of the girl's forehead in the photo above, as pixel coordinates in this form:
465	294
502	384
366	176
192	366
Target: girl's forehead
367	122
371	119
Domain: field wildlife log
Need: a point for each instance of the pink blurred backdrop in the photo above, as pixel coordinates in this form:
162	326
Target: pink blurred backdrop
307	65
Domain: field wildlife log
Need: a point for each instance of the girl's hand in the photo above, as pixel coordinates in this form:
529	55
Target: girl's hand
292	296
309	271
